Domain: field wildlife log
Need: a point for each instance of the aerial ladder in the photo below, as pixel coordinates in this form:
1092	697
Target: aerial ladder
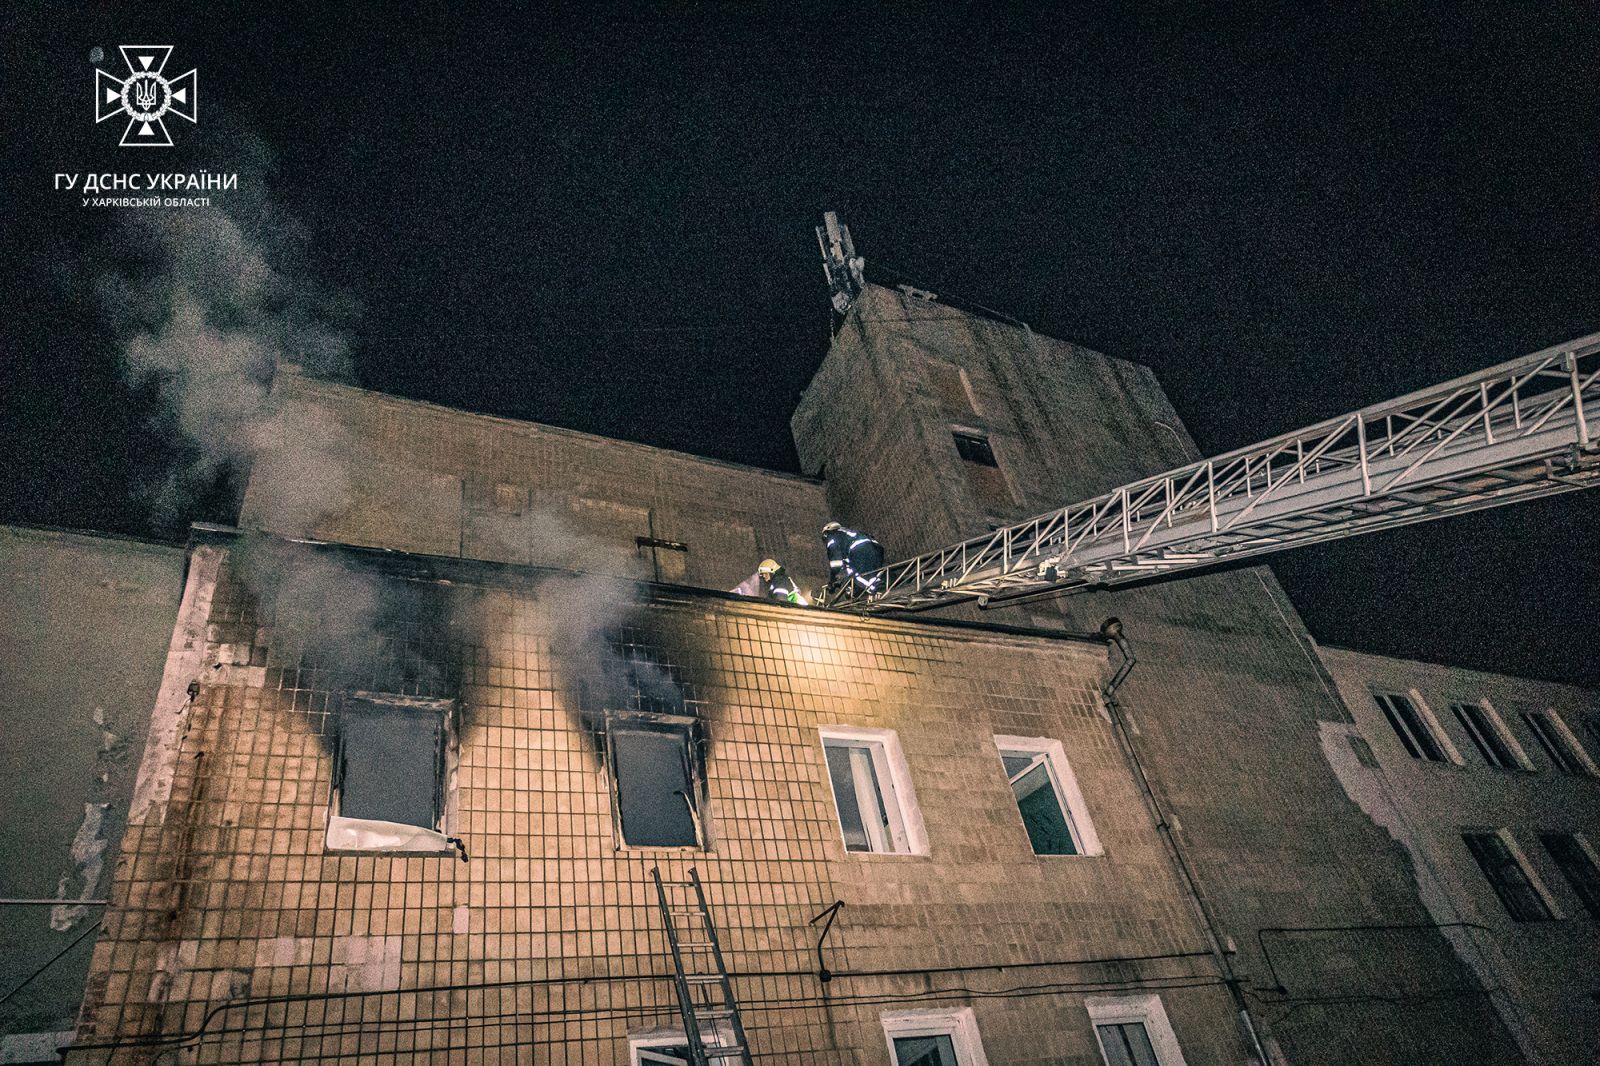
1517	431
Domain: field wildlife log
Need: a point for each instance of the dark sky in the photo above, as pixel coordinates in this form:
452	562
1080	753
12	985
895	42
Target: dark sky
603	221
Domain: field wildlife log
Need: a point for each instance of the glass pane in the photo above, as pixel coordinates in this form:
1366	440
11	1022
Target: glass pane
1577	868
677	1055
1507	877
391	765
844	796
1041	813
652	786
925	1051
1127	1044
1015	762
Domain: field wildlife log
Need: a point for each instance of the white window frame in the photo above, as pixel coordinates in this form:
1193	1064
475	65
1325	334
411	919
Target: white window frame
1573	747
1430	722
1518	755
365	836
665	1036
1059	767
889	762
1147	1011
960	1025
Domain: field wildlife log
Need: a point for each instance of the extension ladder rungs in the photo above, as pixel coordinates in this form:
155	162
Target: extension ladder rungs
703	978
725	1052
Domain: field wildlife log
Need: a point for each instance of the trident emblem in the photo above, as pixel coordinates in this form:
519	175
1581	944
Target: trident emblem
146	96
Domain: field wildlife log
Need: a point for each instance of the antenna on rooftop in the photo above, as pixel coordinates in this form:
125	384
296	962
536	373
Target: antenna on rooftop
840	264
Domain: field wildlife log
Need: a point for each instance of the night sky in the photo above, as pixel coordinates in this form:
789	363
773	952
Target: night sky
604	221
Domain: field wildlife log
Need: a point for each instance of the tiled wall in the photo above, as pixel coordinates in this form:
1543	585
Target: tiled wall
546	946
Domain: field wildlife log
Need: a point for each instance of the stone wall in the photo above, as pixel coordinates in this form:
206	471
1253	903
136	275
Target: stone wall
361	468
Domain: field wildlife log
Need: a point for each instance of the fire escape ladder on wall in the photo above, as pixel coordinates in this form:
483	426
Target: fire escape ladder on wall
1518	431
711	1024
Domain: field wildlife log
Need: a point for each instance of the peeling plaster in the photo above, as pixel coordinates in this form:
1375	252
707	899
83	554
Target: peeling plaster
88	860
1350	757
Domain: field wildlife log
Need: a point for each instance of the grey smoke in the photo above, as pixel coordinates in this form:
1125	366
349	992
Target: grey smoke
207	303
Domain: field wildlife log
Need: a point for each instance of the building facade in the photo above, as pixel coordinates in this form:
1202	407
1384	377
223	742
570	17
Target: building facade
84	625
512	643
1490	784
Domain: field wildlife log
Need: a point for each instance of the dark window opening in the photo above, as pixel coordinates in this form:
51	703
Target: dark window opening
654	765
392	763
1127	1044
1555	744
938	1050
974	448
1414	734
1043	813
1577	866
1485	734
1507	877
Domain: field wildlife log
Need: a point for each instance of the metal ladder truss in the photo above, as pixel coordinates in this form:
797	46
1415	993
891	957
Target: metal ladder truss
711	1023
1524	429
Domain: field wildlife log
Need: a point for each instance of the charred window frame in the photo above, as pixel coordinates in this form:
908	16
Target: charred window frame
393	786
656	766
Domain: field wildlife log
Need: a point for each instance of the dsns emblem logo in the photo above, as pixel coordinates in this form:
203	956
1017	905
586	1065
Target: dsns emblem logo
147	96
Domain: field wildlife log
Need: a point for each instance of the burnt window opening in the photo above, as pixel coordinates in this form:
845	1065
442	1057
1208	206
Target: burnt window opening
394	770
657	774
974	448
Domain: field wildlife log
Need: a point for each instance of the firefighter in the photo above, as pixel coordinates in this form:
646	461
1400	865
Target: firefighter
852	558
777	585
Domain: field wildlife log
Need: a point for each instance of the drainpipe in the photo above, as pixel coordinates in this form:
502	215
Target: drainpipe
1111	630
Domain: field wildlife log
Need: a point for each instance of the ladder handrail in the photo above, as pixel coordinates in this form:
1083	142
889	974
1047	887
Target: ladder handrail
688	1009
1297	487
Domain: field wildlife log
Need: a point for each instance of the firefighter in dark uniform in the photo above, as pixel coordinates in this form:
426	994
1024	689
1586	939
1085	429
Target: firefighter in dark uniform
777	585
852	558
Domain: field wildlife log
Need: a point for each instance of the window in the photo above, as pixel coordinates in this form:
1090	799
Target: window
1415	733
1133	1031
933	1038
974	448
1488	735
394	775
1508	875
1048	798
1557	742
984	476
1577	862
872	791
654	767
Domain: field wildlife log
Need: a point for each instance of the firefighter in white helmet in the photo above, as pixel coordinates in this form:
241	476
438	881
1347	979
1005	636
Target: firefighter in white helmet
776	584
